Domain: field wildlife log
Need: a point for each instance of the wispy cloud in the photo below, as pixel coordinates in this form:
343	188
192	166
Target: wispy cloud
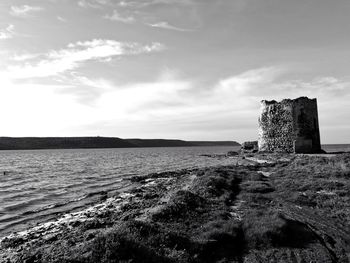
166	25
127	4
116	16
24	57
146	11
86	91
24	10
8	32
153	98
236	97
252	82
325	86
177	2
147	3
268	83
75	54
93	3
60	18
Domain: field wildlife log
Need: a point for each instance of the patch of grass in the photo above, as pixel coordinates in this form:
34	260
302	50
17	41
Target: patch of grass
257	187
318	183
156	235
222	183
121	245
221	241
217	185
263	229
136	241
182	203
338	166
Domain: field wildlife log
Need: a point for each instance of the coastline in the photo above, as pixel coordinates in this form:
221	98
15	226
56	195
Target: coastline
255	210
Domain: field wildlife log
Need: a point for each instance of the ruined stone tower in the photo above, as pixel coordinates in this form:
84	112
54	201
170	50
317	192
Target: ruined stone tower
289	126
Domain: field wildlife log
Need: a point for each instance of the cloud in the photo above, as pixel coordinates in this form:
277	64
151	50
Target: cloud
24	57
60	61
81	96
116	16
60	18
93	3
32	105
8	32
57	109
327	85
236	97
177	2
252	82
138	96
24	10
149	11
267	83
140	100
146	3
86	91
168	106
127	3
166	25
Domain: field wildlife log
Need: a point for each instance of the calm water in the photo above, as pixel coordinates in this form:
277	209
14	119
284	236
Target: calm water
39	184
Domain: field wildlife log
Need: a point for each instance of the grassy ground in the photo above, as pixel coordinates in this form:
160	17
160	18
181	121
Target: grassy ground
300	213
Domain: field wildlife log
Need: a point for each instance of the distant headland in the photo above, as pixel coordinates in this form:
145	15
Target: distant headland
33	143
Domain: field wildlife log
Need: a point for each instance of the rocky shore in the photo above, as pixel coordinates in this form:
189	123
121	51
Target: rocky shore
262	208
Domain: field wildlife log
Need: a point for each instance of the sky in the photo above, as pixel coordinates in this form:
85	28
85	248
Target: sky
186	69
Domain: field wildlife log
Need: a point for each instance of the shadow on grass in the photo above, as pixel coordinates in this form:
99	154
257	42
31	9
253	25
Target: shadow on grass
263	229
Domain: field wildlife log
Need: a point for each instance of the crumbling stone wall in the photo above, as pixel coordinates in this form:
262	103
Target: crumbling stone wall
289	126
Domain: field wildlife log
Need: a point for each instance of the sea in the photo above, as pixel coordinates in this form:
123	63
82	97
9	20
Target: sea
40	185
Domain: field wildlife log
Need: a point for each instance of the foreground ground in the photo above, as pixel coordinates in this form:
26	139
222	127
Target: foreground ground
263	208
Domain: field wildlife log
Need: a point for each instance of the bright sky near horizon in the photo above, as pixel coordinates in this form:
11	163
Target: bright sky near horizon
187	69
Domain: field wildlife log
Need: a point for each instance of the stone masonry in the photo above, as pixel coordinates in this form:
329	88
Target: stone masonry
289	126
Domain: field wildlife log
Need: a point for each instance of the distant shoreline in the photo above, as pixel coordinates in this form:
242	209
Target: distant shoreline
97	142
44	143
